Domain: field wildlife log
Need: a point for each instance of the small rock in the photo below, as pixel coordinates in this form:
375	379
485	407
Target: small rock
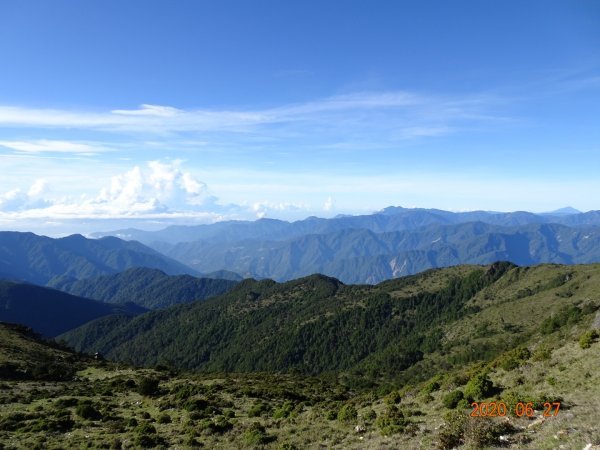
561	434
536	422
360	429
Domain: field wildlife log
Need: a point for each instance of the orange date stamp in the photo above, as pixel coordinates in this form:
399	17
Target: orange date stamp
521	409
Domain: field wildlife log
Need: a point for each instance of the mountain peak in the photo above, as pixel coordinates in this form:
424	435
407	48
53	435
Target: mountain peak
567	210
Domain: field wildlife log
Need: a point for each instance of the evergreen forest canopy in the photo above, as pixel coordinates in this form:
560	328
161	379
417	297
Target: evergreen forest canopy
398	330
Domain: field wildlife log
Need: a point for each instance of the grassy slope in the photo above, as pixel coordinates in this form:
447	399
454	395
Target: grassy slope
512	309
293	410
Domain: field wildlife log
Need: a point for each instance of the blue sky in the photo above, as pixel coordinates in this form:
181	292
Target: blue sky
144	113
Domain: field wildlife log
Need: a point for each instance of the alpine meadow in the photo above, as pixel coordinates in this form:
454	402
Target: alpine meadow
299	225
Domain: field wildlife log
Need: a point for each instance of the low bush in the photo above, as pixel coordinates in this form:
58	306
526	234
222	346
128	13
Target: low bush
86	410
147	386
256	434
452	399
164	418
258	409
392	421
587	339
347	414
479	387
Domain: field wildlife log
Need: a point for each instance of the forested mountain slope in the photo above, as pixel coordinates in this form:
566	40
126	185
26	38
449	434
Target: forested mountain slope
39	259
399	328
51	312
149	288
363	256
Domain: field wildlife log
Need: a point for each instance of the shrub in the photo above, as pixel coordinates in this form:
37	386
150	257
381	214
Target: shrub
568	315
258	409
392	421
479	387
147	386
512	359
147	440
257	435
86	410
66	402
452	435
288	446
431	387
145	428
542	354
347	414
218	424
132	422
485	433
288	409
587	339
452	399
369	415
393	398
164	418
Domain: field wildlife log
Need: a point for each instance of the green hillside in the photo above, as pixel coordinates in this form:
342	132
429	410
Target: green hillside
150	288
51	312
517	336
399	330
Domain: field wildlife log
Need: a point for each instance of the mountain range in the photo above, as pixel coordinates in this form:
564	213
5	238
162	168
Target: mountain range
371	248
40	259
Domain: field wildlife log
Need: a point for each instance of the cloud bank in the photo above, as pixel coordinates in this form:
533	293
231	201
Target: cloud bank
156	190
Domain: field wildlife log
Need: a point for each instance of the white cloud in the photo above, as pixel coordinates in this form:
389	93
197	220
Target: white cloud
53	146
263	208
157	188
19	200
400	109
149	110
12	200
38	188
329	204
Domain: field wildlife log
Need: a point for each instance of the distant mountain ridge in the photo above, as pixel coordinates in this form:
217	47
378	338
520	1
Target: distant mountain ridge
390	243
51	312
39	259
362	256
149	288
392	218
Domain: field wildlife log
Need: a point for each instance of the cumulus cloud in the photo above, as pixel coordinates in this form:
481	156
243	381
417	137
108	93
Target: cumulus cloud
151	190
38	188
263	208
328	205
157	188
19	200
